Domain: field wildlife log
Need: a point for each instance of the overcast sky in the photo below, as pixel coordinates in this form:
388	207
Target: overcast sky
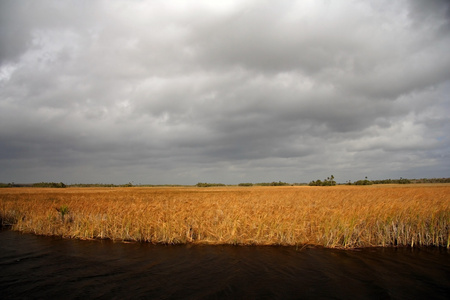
180	92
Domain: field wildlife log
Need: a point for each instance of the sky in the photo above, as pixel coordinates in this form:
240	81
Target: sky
180	92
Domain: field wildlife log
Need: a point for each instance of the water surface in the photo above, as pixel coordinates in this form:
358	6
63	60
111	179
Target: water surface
47	267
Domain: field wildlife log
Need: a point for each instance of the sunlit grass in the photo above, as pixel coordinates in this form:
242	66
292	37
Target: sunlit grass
335	217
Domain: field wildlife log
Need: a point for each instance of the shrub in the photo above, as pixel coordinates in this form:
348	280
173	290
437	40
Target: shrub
205	184
326	182
363	182
49	185
273	183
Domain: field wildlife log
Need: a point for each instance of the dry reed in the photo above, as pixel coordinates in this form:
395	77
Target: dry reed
334	217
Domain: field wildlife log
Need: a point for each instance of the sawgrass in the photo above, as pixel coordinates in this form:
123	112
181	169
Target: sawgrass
334	217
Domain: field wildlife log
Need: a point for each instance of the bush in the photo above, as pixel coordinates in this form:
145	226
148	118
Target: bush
273	183
49	185
363	182
205	184
326	182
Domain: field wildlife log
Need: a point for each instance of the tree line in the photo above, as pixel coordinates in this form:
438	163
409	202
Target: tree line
329	181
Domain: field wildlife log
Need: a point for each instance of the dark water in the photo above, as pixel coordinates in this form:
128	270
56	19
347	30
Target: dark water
43	267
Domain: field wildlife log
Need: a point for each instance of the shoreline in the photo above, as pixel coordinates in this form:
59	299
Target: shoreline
202	244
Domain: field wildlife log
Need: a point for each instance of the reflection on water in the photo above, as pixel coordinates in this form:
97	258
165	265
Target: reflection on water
44	267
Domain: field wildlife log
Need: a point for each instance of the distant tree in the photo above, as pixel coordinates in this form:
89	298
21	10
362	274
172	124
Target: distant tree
363	182
49	185
205	184
318	182
327	182
273	183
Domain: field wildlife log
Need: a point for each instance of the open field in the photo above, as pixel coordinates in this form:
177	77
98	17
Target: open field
335	217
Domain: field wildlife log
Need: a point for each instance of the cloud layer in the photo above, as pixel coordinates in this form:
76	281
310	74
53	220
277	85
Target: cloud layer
235	91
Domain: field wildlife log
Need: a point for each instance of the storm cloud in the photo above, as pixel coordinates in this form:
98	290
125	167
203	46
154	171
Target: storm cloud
177	92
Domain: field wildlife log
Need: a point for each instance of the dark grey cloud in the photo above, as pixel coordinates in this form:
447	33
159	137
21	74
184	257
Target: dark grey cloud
170	92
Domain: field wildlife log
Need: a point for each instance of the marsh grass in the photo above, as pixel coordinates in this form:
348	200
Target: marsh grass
334	217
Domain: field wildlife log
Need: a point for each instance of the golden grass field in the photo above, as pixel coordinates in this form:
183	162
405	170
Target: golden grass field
334	217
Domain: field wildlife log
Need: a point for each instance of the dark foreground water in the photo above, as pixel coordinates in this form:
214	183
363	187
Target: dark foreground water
44	267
